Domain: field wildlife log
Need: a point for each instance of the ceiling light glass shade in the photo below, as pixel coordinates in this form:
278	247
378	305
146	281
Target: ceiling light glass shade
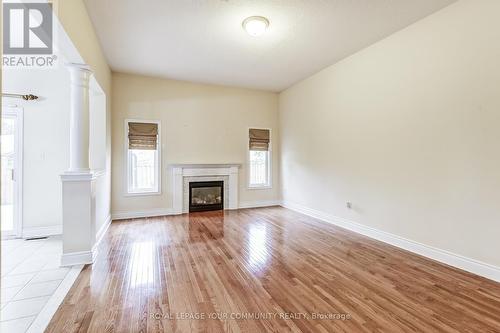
255	25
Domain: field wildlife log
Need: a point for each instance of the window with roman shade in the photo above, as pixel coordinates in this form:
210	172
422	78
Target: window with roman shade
143	166
258	139
259	158
143	136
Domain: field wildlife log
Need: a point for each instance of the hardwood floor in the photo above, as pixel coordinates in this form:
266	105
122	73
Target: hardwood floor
156	274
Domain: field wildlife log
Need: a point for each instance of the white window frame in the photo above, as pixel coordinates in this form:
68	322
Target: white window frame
127	159
269	184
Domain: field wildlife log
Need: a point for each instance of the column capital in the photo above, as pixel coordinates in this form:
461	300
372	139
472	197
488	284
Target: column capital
78	67
80	74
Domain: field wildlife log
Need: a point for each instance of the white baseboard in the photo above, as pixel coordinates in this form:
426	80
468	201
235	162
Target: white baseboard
78	258
259	203
123	215
452	259
102	231
42	231
141	213
86	257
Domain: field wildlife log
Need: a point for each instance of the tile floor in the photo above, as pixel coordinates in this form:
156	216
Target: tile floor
30	276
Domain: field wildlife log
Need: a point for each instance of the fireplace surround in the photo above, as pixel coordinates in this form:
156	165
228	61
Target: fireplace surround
183	174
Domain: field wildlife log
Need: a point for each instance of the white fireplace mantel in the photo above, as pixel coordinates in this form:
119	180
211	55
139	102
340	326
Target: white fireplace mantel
181	171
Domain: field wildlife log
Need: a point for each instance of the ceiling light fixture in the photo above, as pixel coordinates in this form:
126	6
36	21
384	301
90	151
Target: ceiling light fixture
255	25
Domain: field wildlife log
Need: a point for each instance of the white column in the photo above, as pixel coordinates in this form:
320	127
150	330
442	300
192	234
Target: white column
78	183
178	193
79	119
233	188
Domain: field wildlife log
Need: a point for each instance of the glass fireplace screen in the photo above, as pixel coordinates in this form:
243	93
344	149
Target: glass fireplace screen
206	196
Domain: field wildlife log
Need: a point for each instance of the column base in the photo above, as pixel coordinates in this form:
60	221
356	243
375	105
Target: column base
78	189
78	258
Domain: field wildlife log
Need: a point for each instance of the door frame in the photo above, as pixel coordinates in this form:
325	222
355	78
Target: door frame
17	112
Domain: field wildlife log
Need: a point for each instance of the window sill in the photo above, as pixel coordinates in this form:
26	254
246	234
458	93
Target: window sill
260	187
141	194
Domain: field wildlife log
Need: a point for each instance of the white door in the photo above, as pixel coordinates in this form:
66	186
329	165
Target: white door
11	152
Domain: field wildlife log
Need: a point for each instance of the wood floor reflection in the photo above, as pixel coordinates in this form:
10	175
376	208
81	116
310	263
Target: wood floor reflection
205	272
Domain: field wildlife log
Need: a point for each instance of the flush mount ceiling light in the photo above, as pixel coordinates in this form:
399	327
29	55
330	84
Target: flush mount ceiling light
255	25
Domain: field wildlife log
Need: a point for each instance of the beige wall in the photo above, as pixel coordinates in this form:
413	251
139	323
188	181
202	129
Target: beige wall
408	130
76	22
199	124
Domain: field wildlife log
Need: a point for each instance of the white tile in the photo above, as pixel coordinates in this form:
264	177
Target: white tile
49	251
47	256
44	317
28	266
37	290
51	275
6	270
16	280
10	245
11	260
20	325
24	250
24	308
32	282
51	265
8	294
50	262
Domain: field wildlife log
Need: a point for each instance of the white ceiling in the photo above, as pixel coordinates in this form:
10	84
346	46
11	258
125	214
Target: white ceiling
203	41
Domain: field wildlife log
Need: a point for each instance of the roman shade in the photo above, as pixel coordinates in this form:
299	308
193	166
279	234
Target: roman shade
258	139
142	136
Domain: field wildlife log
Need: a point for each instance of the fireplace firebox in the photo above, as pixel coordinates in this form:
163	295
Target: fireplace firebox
205	196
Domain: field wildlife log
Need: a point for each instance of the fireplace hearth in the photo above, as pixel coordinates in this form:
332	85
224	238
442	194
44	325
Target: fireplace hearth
204	196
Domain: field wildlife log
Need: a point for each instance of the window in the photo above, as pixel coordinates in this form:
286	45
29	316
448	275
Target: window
259	158
143	169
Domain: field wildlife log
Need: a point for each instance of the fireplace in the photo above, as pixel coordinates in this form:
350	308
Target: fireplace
205	196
